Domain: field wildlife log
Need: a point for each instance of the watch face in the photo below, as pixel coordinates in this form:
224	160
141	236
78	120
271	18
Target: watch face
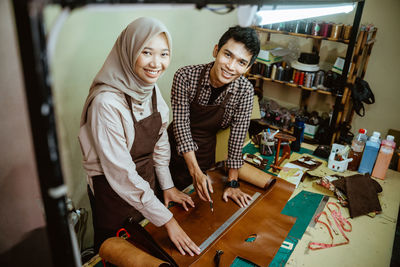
233	184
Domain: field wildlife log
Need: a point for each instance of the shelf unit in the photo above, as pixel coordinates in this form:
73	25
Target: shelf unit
359	48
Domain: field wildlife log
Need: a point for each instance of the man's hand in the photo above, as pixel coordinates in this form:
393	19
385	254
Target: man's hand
202	184
237	195
177	196
200	180
180	239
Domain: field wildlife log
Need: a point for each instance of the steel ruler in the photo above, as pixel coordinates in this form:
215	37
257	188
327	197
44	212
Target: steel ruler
226	224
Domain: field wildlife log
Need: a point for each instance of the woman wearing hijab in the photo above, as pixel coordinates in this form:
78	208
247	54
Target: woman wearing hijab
123	137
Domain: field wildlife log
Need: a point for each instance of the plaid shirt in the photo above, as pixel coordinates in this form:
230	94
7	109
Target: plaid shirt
237	113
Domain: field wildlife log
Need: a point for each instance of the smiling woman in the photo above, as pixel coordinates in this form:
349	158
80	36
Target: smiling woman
124	141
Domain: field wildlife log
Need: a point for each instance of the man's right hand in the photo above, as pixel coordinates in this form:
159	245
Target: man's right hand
200	180
180	239
202	184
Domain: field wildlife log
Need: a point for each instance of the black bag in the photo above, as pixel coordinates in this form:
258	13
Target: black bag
361	92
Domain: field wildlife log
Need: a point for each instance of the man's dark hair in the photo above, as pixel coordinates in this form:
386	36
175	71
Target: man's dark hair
245	35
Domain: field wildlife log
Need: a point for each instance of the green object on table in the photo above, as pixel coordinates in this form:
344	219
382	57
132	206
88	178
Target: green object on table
251	149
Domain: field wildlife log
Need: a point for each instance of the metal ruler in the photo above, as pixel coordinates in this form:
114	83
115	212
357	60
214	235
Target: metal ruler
226	224
320	208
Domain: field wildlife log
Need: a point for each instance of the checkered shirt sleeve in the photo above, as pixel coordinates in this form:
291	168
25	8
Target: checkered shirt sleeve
240	121
182	93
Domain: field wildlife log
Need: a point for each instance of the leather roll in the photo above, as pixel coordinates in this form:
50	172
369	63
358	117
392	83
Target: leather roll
256	176
122	253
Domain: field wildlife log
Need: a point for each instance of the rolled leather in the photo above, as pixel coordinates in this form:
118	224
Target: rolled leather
122	253
256	176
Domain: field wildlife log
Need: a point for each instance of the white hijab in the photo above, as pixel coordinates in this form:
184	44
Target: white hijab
117	72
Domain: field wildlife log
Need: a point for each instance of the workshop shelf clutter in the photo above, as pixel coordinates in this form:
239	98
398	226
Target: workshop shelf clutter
292	68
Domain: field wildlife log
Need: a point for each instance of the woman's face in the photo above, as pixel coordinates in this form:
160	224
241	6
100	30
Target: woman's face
153	60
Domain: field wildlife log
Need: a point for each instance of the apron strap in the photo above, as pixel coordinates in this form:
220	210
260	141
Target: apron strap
203	72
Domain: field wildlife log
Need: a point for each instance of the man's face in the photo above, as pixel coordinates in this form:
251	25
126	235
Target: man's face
231	61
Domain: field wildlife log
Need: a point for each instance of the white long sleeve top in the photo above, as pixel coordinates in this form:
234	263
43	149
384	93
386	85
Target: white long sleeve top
106	140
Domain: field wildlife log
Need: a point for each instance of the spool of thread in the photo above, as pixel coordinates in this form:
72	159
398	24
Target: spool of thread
273	72
267	71
297	27
307	27
336	31
318	78
256	176
326	29
297	77
287	73
279	74
307	80
346	32
316	28
301	79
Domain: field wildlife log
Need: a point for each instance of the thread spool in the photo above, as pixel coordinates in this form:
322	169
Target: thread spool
307	27
297	77
293	75
336	31
267	71
346	32
307	80
273	72
326	29
301	79
279	74
316	28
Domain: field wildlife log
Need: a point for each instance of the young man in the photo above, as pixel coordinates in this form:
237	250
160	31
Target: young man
206	98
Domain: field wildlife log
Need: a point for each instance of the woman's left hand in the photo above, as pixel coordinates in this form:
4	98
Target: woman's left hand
237	195
177	196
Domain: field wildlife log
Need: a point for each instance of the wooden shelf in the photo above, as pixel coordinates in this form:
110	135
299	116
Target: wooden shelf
302	35
257	76
266	124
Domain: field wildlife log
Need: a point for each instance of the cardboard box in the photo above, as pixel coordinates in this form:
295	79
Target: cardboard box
272	55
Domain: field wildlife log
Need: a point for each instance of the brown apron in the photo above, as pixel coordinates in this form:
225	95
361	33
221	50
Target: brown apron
109	209
205	121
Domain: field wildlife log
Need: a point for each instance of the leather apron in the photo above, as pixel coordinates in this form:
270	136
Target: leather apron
110	210
205	121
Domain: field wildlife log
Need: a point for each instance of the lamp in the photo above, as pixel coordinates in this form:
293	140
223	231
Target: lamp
269	14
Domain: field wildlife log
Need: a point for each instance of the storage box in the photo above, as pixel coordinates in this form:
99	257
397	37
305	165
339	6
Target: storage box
272	55
310	130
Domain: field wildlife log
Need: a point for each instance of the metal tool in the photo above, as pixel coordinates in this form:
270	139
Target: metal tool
226	224
319	209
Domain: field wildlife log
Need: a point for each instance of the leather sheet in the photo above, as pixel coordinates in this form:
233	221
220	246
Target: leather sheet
262	218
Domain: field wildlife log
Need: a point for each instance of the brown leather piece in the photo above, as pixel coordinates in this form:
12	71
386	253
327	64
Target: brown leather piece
122	253
255	176
262	218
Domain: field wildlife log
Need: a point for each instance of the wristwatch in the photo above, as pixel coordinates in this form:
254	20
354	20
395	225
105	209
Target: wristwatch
232	183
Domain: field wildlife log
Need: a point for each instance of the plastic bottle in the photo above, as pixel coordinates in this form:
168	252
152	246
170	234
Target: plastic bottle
357	148
385	155
370	153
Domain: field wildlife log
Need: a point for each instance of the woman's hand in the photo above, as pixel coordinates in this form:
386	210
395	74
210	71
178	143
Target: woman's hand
202	184
237	195
177	196
180	239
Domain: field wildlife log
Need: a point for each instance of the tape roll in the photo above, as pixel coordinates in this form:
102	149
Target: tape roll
122	253
256	176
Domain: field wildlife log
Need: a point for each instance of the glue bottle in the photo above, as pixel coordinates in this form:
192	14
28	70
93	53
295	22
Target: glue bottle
370	153
357	148
385	155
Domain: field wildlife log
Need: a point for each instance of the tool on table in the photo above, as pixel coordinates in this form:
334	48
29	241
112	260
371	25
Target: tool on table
211	201
226	224
318	211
